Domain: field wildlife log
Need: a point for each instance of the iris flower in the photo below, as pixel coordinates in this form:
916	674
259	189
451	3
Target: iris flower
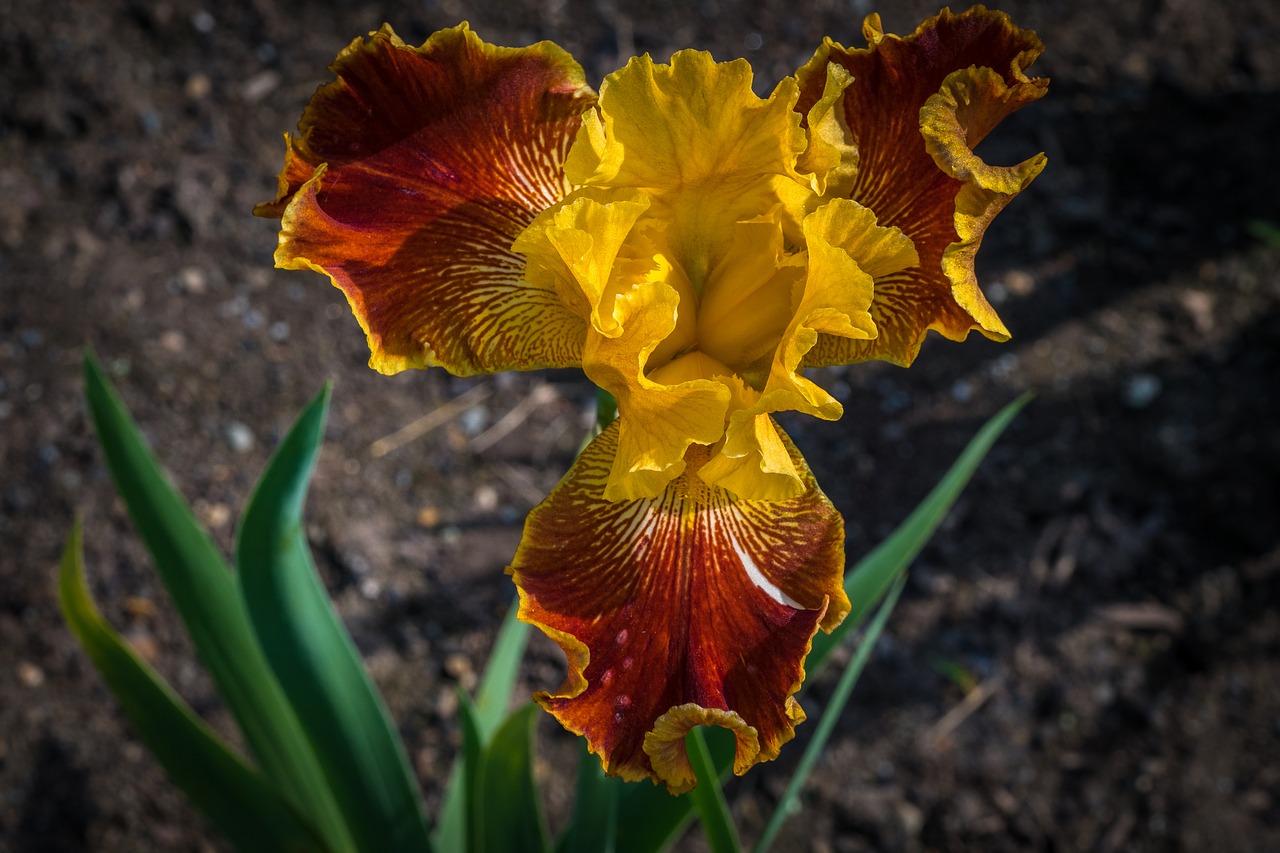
693	248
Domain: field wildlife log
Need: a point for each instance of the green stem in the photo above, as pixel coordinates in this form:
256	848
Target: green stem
606	409
708	798
839	698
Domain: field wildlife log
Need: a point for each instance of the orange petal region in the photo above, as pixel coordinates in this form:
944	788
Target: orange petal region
915	109
691	608
411	176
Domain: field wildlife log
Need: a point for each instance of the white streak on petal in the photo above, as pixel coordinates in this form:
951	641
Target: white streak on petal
758	578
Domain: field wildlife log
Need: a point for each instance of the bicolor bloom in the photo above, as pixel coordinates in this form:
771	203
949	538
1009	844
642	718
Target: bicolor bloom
693	248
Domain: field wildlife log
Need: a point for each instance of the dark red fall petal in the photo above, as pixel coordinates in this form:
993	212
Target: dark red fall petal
688	608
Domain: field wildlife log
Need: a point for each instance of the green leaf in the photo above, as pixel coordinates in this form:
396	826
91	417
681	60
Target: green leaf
509	814
649	819
203	590
839	698
708	798
238	800
496	687
1267	232
875	573
606	409
499	679
314	658
466	770
593	827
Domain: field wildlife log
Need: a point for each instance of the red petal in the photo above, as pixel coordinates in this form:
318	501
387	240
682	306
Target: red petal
688	608
901	181
413	174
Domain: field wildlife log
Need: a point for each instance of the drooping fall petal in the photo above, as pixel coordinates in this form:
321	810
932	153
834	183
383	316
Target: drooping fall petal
916	108
410	178
688	608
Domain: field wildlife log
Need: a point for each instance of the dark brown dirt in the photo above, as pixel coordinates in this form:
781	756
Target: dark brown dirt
1108	582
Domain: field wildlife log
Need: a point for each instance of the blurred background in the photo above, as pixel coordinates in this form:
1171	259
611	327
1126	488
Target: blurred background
1084	659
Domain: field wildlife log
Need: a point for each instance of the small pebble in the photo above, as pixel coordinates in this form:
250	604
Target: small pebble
145	646
173	341
203	22
1019	283
216	514
193	280
1142	391
474	420
240	437
198	87
486	498
234	307
140	606
459	667
149	121
260	85
30	674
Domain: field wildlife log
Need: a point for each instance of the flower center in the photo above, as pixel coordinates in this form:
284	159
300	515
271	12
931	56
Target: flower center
732	324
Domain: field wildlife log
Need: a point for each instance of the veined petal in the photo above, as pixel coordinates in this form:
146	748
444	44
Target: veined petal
688	608
410	178
942	209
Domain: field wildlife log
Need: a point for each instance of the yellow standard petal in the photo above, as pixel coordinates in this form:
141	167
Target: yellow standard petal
694	137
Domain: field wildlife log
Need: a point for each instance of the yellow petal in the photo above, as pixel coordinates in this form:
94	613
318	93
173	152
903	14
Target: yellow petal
832	299
832	155
658	421
573	248
694	137
746	303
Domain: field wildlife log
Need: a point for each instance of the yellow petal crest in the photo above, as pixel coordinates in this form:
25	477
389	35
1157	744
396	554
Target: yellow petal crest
660	421
574	248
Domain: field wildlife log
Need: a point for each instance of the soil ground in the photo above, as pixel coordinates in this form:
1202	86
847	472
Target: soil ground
1107	585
